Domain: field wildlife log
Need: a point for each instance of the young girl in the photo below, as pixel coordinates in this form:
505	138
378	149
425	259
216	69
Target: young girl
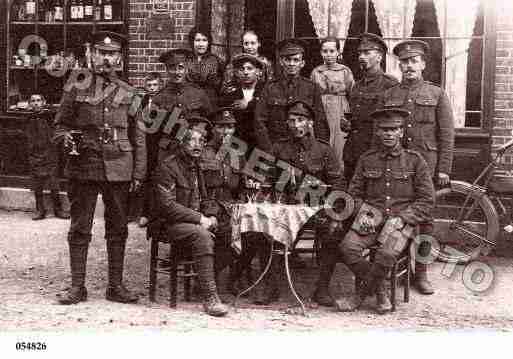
250	45
335	81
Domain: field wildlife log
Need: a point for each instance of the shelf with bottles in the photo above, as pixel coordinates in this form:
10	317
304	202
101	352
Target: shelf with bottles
71	12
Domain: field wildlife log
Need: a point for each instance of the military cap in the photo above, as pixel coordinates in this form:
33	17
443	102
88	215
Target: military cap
300	108
291	47
108	40
389	117
369	41
224	115
240	59
409	48
176	56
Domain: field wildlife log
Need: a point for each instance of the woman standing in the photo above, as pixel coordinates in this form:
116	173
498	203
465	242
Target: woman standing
205	69
335	81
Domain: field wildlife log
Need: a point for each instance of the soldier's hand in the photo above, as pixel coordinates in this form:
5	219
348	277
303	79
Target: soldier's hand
443	179
205	222
214	223
240	104
135	185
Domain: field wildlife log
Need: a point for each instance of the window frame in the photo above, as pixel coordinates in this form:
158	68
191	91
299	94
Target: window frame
285	28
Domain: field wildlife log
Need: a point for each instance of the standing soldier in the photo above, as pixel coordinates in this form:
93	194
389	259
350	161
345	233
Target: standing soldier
179	98
111	161
397	183
429	129
271	109
365	97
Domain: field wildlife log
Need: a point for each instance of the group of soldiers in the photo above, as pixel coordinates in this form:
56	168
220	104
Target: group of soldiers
399	146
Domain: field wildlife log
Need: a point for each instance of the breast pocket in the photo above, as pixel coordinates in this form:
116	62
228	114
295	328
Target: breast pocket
425	110
374	182
402	185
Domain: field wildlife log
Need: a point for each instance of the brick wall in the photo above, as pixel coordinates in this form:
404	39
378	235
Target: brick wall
143	57
503	95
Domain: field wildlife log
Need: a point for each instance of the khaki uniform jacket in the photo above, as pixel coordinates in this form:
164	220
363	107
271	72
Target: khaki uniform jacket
430	126
222	173
113	147
398	183
177	190
312	157
186	98
365	97
271	113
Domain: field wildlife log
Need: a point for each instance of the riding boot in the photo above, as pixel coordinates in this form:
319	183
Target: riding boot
78	262
322	294
421	281
116	292
206	280
40	206
57	206
383	304
363	272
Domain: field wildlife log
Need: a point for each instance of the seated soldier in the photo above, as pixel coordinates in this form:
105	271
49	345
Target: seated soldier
222	170
314	159
179	189
396	184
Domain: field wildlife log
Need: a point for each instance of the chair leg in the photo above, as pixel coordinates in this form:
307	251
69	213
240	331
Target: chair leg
393	280
154	252
173	260
187	281
407	284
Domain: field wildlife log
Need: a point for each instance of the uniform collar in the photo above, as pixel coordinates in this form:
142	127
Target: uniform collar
188	162
306	142
372	76
385	152
412	85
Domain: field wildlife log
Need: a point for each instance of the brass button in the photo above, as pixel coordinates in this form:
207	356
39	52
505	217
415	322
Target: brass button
388	198
388	169
106	110
388	184
409	125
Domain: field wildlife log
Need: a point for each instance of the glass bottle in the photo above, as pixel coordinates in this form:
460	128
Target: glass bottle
30	10
73	10
98	10
88	10
107	10
88	55
58	10
80	10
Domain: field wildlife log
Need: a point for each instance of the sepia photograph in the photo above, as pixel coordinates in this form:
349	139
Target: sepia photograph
259	177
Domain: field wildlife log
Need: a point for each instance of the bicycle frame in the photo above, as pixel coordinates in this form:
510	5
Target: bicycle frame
482	190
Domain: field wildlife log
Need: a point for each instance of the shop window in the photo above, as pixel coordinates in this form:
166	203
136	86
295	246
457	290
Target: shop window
46	39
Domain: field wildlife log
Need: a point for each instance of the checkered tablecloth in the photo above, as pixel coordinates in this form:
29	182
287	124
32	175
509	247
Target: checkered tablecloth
280	221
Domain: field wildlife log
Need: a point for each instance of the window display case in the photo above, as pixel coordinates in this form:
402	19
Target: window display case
43	41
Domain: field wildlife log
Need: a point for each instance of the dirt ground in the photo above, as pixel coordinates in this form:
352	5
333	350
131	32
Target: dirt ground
34	267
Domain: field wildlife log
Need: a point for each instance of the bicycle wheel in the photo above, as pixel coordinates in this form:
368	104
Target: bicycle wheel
464	233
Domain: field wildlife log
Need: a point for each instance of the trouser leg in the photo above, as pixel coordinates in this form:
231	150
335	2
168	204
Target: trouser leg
56	201
115	198
421	281
37	186
83	202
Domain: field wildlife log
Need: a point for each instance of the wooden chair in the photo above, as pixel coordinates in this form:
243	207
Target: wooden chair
179	260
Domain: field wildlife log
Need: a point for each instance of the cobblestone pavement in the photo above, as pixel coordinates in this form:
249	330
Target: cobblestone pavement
34	267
